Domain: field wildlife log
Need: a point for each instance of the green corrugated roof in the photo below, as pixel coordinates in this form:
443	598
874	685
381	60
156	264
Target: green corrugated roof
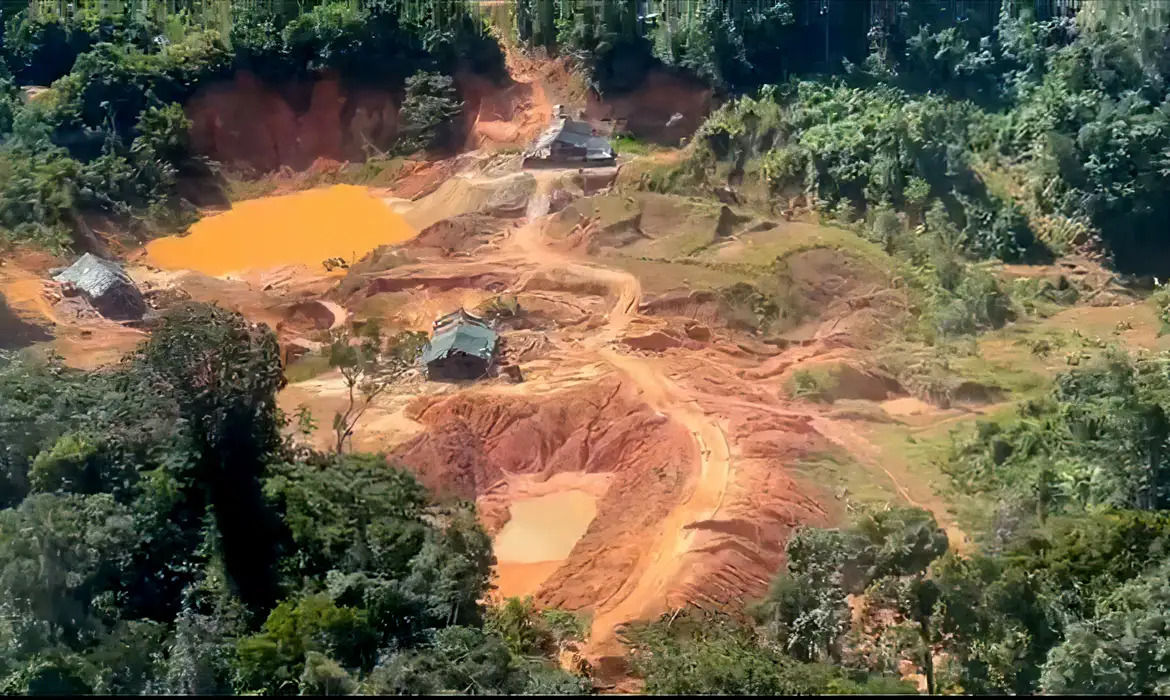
469	338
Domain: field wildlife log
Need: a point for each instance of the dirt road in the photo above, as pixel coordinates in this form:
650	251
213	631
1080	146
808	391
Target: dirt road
644	591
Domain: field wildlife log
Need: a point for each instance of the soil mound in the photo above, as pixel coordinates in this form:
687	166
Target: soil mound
502	197
618	221
502	117
697	331
312	315
472	442
700	305
378	260
846	297
487	278
447	238
736	553
459	234
842	379
654	341
418	178
823	276
566	432
574	281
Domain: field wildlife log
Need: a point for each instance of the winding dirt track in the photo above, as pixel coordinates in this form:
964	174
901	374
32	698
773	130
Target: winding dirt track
644	591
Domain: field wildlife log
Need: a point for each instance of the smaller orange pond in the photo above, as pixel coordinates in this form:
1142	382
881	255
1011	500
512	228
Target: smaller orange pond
539	537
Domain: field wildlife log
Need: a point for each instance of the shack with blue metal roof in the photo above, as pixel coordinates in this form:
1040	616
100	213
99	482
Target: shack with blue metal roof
106	285
462	346
568	141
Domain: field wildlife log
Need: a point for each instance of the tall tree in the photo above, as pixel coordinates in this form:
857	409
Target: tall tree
224	373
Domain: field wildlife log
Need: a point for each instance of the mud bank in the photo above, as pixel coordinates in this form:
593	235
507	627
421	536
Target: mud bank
249	124
252	125
502	116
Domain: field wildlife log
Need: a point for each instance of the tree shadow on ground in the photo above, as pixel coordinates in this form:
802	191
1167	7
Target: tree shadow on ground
17	333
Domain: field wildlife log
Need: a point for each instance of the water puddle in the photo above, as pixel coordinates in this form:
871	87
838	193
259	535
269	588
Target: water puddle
519	580
545	528
306	228
538	537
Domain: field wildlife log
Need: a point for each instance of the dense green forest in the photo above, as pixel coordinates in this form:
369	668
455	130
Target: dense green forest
159	535
1036	130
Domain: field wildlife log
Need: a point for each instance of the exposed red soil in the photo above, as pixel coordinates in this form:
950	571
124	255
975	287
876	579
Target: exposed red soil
498	117
736	553
419	178
474	440
654	341
560	82
700	305
248	124
489	278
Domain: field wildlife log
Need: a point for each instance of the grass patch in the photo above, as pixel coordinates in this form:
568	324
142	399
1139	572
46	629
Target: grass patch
673	226
916	455
1000	366
816	384
628	144
763	248
375	172
306	367
240	188
608	209
1019	380
1040	297
1025	356
681	245
845	478
659	276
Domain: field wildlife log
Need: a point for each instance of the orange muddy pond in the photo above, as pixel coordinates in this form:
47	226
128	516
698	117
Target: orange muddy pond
342	221
538	537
